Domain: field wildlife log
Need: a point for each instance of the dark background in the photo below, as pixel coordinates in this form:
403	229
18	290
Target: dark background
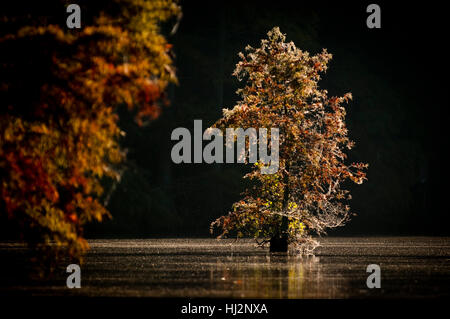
398	117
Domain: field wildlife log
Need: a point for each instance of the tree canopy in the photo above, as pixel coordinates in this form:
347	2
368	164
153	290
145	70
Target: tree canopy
305	195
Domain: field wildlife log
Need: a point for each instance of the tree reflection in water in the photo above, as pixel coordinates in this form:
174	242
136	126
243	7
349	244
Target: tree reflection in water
275	276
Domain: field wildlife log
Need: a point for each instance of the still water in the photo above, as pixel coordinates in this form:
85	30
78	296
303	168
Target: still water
410	267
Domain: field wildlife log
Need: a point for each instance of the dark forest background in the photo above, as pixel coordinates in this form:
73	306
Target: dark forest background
398	117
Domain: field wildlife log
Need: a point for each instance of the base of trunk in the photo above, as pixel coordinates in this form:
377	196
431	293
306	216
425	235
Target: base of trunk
279	244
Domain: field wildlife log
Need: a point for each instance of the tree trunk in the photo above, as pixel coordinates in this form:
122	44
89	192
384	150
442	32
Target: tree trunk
279	244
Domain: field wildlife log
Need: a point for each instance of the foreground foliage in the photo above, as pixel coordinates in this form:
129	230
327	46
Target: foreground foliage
58	126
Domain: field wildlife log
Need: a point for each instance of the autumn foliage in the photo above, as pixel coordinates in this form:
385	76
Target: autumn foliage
306	195
58	127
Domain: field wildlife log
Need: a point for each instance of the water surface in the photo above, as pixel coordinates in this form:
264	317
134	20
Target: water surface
410	267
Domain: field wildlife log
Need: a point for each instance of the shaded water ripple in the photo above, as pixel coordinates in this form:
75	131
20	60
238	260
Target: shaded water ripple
410	267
